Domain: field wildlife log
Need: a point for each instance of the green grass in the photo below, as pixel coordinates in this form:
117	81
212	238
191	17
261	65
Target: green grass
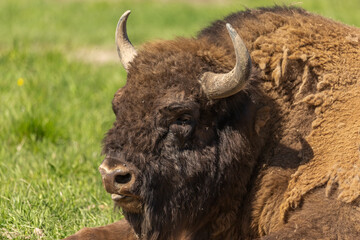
51	127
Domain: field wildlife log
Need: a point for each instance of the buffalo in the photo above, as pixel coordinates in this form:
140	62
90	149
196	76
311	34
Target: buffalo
250	130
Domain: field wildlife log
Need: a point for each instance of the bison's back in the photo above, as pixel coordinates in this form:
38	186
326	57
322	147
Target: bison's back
310	67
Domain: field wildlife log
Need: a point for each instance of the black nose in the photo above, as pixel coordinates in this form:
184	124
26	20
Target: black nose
117	180
122	177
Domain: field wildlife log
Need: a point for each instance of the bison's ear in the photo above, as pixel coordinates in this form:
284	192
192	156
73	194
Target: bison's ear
217	85
125	49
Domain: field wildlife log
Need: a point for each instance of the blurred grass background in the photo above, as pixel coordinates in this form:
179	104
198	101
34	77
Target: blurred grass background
58	74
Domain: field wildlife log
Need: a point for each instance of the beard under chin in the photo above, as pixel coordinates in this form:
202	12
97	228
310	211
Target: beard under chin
136	221
165	219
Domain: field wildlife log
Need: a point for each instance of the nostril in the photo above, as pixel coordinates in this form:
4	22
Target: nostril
123	178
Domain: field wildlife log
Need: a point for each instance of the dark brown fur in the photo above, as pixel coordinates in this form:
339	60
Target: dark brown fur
249	165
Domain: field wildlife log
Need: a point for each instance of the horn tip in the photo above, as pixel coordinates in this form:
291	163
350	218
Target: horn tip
122	22
125	15
231	30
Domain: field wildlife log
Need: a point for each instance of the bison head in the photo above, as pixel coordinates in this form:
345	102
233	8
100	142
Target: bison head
183	145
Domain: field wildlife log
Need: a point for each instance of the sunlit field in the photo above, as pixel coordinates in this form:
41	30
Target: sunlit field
58	74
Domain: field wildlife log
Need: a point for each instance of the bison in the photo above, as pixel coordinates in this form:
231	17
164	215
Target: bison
250	130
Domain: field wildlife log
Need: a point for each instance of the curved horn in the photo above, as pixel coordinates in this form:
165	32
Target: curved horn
222	85
125	49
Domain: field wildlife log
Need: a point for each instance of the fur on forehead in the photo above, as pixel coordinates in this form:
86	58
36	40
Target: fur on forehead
182	55
172	66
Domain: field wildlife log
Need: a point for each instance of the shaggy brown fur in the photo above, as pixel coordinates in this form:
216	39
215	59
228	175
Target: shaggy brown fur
279	160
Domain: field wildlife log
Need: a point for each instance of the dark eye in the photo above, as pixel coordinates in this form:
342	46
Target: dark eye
185	119
182	128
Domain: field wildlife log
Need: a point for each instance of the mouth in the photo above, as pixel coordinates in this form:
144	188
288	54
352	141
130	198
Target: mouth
127	203
119	197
